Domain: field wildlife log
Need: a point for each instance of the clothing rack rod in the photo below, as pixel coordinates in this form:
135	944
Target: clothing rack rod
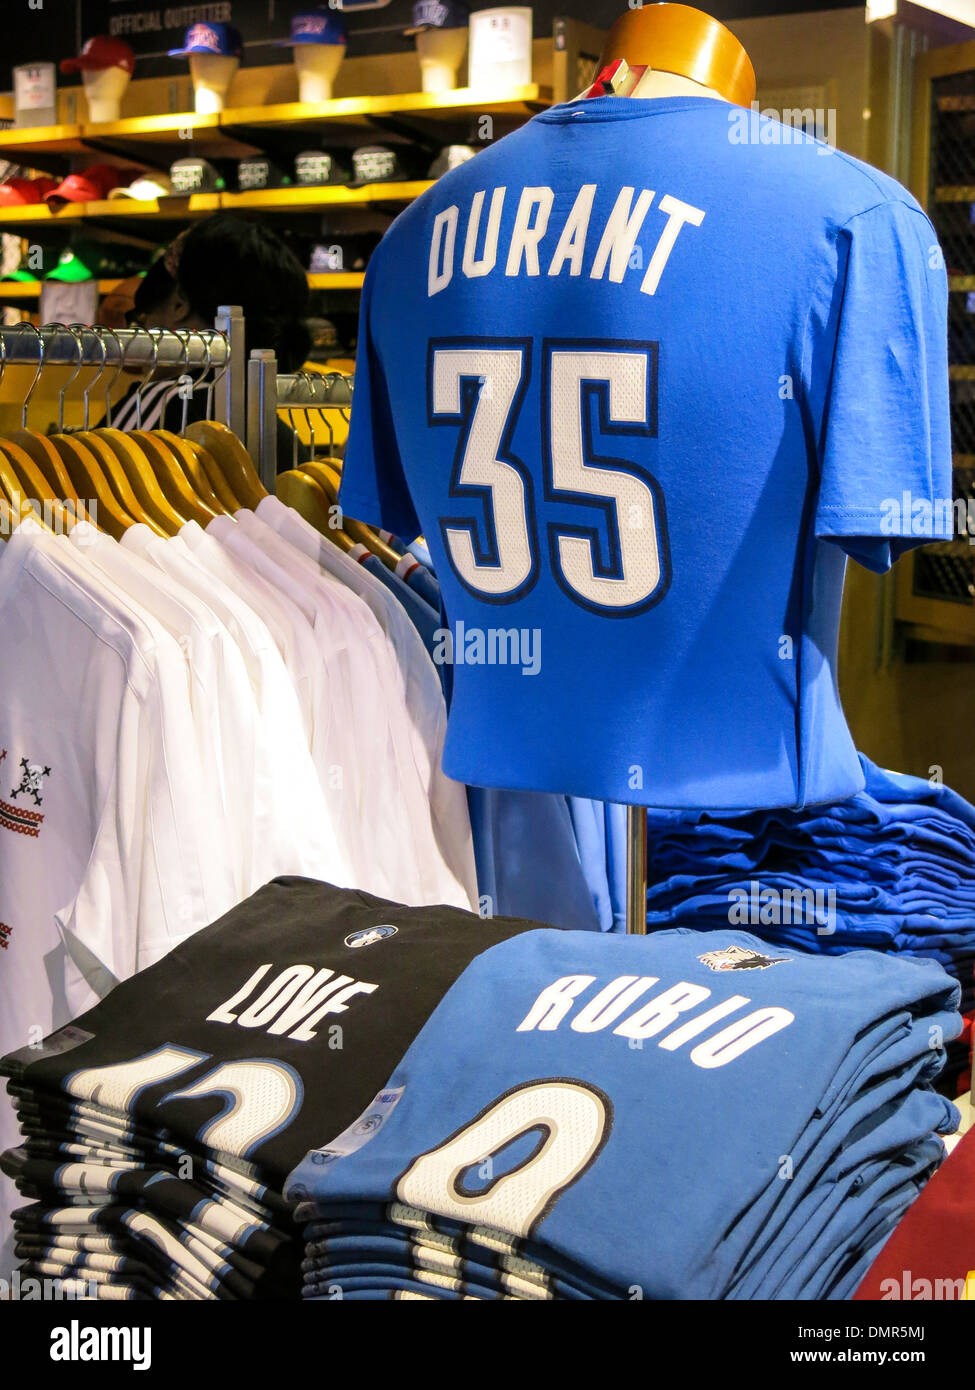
310	391
168	353
636	871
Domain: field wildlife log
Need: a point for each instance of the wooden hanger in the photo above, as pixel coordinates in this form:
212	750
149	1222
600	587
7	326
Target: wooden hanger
232	459
136	467
221	488
15	508
33	482
328	481
48	460
170	477
9	480
302	492
185	454
91	483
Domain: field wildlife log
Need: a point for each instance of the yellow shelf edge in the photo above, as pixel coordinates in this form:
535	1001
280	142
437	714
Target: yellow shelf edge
342	108
31	289
324	195
13	136
172	208
955	193
337	280
460	99
166	124
41	213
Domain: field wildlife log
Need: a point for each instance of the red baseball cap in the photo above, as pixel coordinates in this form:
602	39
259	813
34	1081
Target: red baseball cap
99	53
91	185
18	192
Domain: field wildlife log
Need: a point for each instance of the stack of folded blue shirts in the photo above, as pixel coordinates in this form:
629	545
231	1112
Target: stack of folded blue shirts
686	1115
892	868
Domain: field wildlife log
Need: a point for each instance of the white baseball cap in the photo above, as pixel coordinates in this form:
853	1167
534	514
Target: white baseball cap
146	187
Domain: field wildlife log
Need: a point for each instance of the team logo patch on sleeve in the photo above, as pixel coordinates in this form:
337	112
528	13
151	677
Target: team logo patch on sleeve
739	958
370	935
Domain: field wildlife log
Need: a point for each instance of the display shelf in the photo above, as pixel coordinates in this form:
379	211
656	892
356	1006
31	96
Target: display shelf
29	217
325	195
159	140
517	103
152	139
164	129
337	280
36	217
24	144
18	291
165	209
955	193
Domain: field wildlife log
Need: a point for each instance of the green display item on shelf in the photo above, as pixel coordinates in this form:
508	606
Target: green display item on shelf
70	268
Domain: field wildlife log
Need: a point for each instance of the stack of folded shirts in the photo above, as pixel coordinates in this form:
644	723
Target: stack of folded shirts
685	1115
892	869
160	1126
931	1254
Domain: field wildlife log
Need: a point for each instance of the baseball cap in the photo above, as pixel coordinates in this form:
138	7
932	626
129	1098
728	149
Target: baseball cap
383	164
194	175
223	40
91	185
17	192
99	53
89	260
145	188
449	158
314	167
70	268
315	26
257	171
438	14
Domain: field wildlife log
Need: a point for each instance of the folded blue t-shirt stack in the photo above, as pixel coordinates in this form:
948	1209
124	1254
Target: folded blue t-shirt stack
686	1115
892	868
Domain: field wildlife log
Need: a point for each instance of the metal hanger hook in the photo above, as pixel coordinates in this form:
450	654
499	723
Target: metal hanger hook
86	394
37	375
219	333
118	372
74	375
154	340
184	335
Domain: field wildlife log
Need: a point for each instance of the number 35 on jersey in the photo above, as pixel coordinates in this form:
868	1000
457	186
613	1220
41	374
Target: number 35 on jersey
604	537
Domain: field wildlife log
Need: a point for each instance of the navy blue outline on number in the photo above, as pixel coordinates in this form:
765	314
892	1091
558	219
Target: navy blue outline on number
488	555
232	1099
609	567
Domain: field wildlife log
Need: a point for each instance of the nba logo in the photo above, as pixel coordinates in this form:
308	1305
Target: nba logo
370	935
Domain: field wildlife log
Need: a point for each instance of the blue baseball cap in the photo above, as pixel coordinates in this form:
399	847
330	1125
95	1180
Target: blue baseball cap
316	26
222	40
438	14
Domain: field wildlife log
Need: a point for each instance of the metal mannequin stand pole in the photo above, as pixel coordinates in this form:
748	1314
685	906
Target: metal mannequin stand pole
636	871
230	406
